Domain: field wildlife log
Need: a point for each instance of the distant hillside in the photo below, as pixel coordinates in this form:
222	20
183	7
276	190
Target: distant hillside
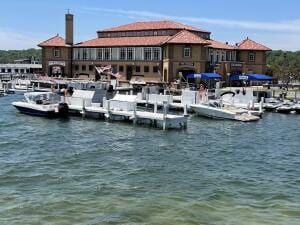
11	55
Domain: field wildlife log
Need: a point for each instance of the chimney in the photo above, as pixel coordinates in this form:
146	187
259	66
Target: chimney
69	29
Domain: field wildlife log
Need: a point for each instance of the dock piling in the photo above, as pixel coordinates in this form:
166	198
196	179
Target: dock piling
185	112
155	107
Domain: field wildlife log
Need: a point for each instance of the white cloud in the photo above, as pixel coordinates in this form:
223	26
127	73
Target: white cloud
292	26
283	35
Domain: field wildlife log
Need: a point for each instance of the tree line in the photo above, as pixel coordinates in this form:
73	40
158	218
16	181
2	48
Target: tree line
284	65
10	55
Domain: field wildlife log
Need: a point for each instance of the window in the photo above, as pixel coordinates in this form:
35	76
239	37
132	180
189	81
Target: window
251	56
76	67
75	53
155	69
100	53
56	53
139	53
93	53
121	68
91	67
114	68
16	71
107	54
9	70
85	54
228	58
223	56
114	53
211	58
156	53
22	71
138	69
129	53
122	53
2	70
146	69
83	67
147	53
233	56
186	52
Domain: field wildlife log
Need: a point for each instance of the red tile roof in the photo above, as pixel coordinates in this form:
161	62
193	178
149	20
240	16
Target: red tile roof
249	44
125	41
56	41
186	37
220	45
154	25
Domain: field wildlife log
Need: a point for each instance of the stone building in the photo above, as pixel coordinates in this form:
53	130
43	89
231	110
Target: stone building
154	51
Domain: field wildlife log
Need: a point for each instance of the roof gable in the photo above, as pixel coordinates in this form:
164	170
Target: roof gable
186	37
249	44
55	41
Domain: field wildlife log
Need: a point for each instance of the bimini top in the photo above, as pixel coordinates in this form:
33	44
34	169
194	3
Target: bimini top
262	77
205	76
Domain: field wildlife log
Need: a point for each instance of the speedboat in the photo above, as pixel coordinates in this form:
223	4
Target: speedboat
272	105
45	104
246	102
286	108
213	109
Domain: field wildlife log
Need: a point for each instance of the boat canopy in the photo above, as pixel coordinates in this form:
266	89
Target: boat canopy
261	77
205	76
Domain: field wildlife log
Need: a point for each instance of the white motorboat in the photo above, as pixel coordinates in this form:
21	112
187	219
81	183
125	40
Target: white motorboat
213	109
285	107
272	104
243	98
45	104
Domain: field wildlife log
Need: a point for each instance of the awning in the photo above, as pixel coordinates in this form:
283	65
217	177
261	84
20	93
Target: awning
205	76
261	77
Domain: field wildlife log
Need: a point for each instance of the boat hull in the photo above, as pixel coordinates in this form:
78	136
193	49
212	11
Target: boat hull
284	110
51	110
219	113
35	112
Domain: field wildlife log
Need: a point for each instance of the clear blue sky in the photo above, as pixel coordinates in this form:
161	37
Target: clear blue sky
25	23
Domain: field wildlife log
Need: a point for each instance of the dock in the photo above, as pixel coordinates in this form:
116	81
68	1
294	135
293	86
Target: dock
124	107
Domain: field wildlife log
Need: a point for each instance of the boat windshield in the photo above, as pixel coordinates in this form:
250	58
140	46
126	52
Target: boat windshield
42	98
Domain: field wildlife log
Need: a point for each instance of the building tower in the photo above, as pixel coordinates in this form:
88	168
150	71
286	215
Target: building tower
69	29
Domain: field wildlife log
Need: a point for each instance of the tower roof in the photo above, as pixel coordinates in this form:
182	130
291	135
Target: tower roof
249	44
55	41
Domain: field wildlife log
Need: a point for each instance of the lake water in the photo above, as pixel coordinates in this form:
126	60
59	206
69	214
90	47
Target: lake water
83	171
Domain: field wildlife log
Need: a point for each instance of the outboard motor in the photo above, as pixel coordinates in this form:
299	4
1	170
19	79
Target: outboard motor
63	110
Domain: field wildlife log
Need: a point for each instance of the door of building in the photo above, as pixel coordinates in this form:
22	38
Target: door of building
129	71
